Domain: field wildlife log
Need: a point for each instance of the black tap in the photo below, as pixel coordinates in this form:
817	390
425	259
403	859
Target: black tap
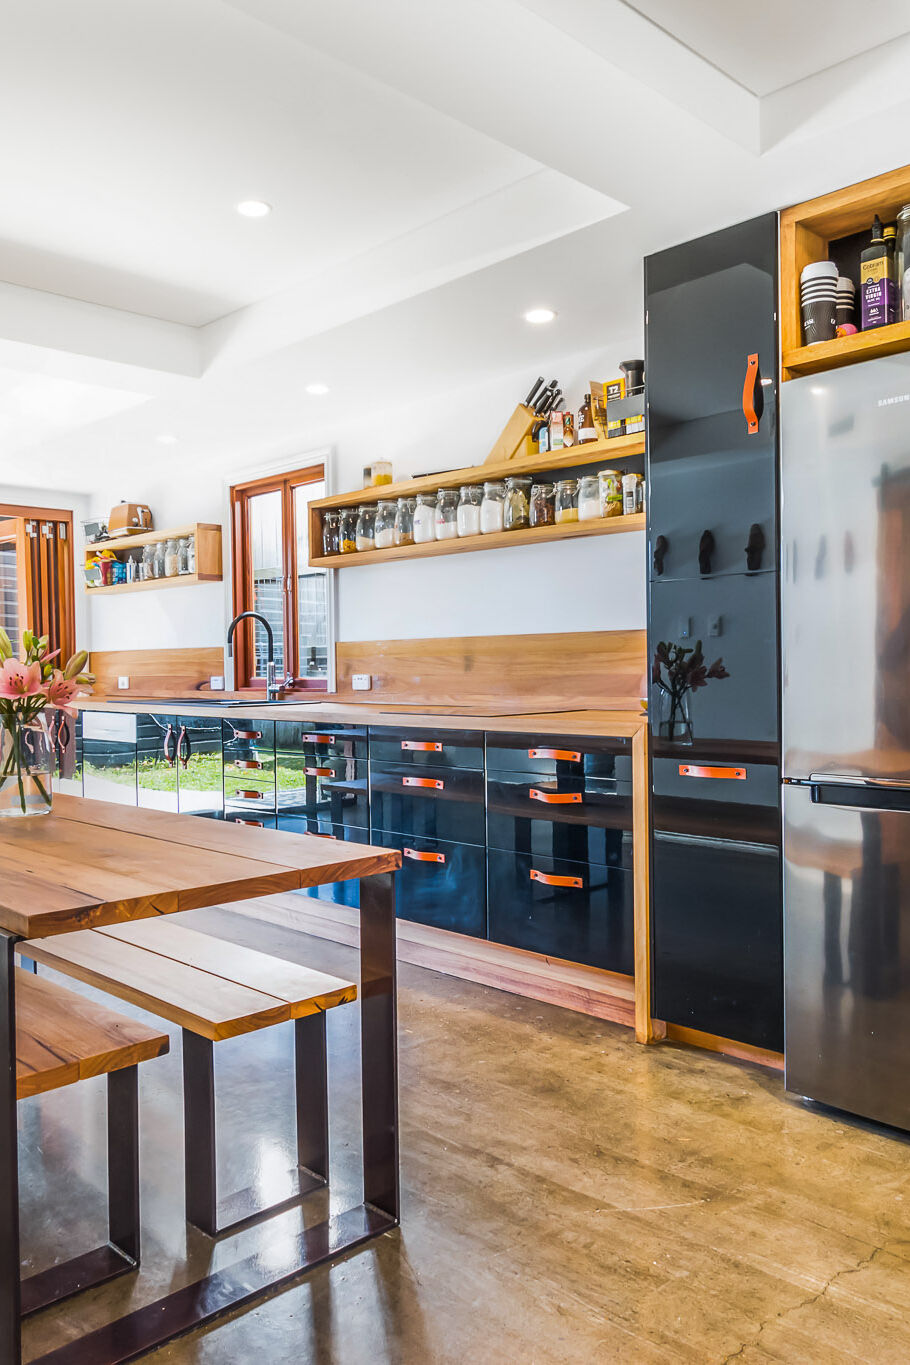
271	686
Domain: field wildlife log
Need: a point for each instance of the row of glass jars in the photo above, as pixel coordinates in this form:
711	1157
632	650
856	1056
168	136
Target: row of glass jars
473	510
166	558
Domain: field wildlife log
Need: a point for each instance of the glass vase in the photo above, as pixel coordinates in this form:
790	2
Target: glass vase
673	720
26	766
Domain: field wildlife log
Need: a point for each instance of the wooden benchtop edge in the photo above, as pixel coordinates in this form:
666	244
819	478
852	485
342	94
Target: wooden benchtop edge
603	724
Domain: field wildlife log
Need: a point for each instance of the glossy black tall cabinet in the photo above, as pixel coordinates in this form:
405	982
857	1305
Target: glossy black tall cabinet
711	350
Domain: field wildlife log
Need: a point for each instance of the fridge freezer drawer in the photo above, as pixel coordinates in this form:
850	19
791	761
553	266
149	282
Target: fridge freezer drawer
847	951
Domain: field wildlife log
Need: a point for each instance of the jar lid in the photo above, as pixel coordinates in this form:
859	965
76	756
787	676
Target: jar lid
367	507
425	499
515	479
539	488
495	487
569	485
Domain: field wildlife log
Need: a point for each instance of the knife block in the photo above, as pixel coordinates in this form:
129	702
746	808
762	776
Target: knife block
513	439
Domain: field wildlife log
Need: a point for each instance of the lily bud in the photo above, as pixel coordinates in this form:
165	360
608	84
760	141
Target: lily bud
6	647
76	664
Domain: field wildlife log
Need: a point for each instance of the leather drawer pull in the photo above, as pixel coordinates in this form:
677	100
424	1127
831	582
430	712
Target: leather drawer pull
555	798
319	739
319	772
247	763
423	782
570	755
248	734
416	856
257	823
551	879
422	746
249	795
692	770
316	835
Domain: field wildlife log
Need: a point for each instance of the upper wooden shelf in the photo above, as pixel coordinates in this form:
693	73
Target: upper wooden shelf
152	537
207	536
806	233
621	448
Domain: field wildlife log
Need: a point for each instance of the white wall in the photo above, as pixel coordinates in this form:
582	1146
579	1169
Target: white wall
592	584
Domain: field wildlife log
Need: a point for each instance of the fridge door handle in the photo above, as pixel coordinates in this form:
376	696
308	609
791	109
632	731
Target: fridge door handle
753	399
754	547
661	546
859	796
705	551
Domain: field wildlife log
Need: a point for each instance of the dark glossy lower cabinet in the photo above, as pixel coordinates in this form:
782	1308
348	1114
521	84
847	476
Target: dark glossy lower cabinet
440	883
578	911
339	893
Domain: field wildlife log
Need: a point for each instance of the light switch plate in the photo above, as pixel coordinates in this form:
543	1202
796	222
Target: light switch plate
123	683
216	682
715	625
361	682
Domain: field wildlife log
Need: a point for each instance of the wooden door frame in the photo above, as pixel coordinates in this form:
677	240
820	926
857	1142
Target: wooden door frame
64	587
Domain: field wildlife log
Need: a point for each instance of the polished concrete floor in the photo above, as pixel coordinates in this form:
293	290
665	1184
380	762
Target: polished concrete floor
568	1196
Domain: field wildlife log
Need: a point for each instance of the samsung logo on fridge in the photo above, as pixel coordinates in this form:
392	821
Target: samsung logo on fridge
898	398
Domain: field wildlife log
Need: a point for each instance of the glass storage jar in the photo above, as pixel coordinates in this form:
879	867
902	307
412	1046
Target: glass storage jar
191	554
365	535
385	524
183	546
404	521
348	531
517	511
610	481
469	501
589	498
146	564
171	559
446	514
331	533
543	504
566	501
492	508
424	519
158	560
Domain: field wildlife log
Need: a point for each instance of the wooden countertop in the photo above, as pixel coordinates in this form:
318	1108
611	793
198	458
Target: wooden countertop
608	724
90	863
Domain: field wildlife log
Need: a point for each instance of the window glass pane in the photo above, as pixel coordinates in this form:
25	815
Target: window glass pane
9	591
267	569
312	592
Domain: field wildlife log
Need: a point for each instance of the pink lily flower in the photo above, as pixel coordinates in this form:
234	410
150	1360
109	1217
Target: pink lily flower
20	680
62	692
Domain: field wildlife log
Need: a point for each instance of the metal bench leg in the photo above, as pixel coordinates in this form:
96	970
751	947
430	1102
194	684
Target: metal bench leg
10	1346
203	1208
121	1254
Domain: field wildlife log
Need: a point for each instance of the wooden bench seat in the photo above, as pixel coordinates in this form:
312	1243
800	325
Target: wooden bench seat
61	1037
214	989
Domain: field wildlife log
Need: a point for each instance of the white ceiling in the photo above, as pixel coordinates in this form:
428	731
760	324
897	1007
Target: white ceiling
435	169
767	45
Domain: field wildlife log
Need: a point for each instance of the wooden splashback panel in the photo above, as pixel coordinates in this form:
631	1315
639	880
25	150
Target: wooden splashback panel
599	669
156	672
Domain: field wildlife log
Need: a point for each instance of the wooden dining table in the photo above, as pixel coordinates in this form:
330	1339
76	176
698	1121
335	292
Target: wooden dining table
92	863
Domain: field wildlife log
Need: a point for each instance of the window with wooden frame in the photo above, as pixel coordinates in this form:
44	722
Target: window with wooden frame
269	528
36	575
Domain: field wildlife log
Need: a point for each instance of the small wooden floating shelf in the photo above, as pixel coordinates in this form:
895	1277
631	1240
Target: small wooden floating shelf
207	536
828	355
496	540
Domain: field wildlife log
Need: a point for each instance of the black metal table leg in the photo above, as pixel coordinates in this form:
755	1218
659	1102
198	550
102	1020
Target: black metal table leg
379	1043
10	1310
199	1132
312	1096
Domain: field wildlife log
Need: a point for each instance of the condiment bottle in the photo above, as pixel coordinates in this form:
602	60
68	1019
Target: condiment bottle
424	519
543	504
586	429
384	534
404	521
446	521
469	510
492	508
517	510
589	498
566	501
365	537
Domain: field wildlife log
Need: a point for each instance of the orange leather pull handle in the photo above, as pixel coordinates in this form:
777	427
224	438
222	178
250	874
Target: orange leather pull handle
422	746
251	795
416	856
423	782
693	770
319	739
317	835
248	734
247	763
570	755
257	823
550	879
556	798
751	408
319	772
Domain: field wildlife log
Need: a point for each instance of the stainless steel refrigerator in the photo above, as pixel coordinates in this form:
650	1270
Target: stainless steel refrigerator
845	542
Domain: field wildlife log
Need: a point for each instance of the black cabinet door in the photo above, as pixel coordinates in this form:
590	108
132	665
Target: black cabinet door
711	304
427	748
580	912
560	756
437	803
716	887
339	893
576	818
336	790
440	883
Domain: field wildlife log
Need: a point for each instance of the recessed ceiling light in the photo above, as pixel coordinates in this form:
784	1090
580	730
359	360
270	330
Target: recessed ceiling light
539	315
167	438
253	208
317	390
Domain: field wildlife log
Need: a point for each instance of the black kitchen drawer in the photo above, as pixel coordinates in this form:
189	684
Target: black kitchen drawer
341	800
428	748
257	819
293	768
339	893
584	915
247	796
320	741
440	883
560	756
582	819
437	803
248	739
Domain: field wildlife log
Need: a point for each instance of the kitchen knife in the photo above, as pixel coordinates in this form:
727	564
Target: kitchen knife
545	398
530	398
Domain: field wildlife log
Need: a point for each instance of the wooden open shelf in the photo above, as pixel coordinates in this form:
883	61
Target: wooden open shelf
208	557
806	230
496	540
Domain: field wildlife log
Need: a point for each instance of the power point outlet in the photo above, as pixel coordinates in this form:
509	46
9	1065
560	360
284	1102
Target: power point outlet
715	625
361	682
123	683
216	682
